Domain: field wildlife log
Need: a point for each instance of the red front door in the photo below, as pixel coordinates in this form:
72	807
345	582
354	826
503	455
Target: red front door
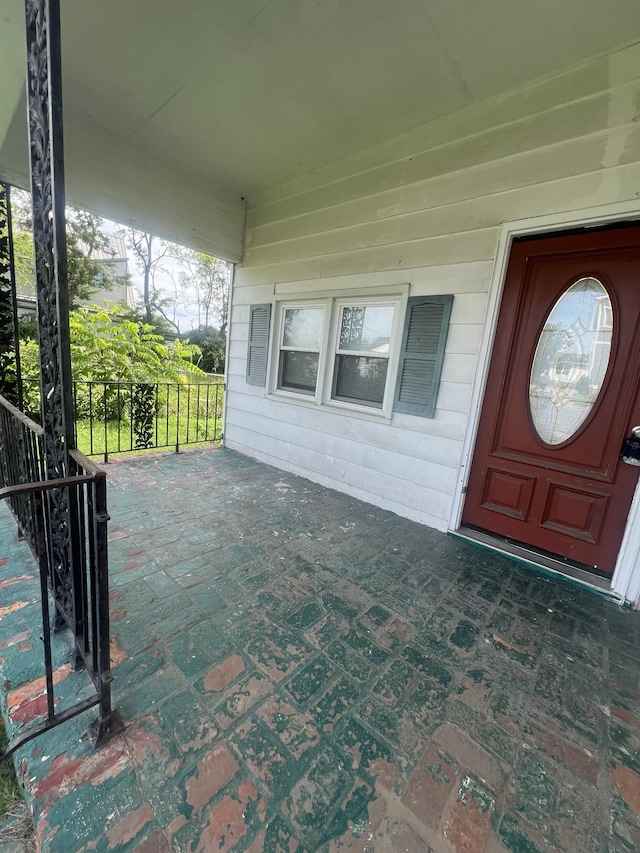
563	393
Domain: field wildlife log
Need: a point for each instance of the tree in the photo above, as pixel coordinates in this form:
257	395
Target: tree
149	252
212	344
85	236
105	347
205	284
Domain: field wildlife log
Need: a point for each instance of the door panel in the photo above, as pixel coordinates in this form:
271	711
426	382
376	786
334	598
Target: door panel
569	498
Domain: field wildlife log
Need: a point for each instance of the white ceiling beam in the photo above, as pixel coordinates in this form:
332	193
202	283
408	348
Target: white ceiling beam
118	180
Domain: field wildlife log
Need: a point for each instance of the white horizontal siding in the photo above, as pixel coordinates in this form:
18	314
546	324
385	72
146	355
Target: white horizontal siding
382	489
423	211
439	450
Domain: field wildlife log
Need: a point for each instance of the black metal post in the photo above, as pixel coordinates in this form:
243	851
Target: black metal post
44	93
10	377
109	721
44	100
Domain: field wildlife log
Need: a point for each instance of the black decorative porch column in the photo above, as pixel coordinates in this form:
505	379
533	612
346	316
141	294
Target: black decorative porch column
44	104
10	379
44	96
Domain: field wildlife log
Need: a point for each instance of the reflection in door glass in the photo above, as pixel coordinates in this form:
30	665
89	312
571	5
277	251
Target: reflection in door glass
571	360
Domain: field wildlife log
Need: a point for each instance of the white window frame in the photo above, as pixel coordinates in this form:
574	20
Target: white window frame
279	348
399	305
329	339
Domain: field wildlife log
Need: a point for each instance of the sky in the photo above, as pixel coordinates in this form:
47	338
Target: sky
182	310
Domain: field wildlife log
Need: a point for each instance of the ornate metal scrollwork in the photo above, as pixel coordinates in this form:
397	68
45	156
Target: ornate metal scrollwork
143	414
44	94
9	353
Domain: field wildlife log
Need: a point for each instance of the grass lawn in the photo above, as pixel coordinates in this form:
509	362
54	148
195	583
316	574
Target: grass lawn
10	793
117	437
193	417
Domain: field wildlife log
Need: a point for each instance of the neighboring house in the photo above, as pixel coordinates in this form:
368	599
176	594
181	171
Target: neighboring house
114	257
435	215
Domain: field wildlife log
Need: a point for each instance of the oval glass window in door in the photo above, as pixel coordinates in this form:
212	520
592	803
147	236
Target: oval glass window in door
571	360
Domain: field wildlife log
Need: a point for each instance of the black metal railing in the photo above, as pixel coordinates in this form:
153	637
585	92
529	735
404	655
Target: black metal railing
121	417
21	461
78	600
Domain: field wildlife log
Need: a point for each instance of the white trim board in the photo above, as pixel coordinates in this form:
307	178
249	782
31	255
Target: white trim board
626	577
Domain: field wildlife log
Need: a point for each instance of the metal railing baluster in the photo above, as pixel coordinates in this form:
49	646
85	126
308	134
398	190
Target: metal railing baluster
83	607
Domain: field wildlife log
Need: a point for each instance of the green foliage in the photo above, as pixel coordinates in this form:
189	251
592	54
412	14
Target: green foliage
107	348
213	344
10	793
28	328
104	347
161	326
197	419
84	236
23	259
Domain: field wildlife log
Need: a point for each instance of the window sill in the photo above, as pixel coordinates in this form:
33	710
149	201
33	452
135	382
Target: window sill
366	413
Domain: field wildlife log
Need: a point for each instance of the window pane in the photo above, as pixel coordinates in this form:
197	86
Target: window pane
298	370
361	379
571	360
366	328
302	328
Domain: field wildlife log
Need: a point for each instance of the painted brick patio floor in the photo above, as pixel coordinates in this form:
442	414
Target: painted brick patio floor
302	671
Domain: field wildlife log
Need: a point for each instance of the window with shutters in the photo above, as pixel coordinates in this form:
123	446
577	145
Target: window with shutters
377	355
300	340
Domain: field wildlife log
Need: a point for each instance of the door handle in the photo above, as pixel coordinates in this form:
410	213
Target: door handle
630	452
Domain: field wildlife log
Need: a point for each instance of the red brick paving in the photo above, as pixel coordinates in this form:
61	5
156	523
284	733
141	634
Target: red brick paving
302	672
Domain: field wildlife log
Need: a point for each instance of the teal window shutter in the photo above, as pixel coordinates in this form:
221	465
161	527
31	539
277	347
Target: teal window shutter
258	348
422	354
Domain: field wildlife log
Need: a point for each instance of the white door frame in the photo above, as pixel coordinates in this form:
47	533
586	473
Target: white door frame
626	577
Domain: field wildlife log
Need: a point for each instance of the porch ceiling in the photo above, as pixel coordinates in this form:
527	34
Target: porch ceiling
247	94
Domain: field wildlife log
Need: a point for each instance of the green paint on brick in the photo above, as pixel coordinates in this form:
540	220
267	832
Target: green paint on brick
332	706
209	608
308	616
513	839
315	796
476	675
363	644
269	601
279	837
280	652
464	635
489	590
393	683
334	604
472	794
254	582
352	814
437	773
361	746
186	656
351	662
310	679
265	755
427	665
427	695
431	646
377	615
